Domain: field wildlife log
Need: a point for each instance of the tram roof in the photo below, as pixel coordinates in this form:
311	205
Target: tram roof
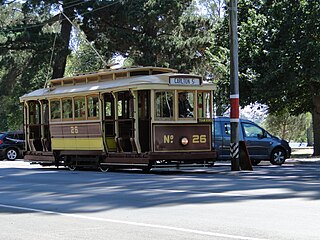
116	80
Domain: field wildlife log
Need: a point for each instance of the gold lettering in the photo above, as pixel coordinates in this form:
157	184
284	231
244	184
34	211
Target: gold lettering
167	138
74	130
199	139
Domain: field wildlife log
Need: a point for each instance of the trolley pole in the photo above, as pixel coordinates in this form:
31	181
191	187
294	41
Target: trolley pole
234	87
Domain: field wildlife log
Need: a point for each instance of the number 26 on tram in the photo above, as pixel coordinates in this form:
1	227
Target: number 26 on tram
144	117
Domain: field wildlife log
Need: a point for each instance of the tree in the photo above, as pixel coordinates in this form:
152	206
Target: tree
286	126
161	33
280	48
23	57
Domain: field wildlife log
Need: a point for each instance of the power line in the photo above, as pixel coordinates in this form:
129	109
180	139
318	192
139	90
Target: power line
85	38
51	22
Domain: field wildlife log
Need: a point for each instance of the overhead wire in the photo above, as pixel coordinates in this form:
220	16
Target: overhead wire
85	38
76	27
51	59
51	22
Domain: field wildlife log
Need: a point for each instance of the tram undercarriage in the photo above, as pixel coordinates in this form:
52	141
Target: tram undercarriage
104	162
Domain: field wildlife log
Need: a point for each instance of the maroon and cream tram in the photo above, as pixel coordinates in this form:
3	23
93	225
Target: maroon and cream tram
142	117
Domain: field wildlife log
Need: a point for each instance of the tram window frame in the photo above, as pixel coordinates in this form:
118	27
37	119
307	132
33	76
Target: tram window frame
108	106
45	112
58	118
96	112
79	112
67	109
125	105
204	104
162	112
189	99
34	113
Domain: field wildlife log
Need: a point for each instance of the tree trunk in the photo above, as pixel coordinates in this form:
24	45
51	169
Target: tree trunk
316	125
61	56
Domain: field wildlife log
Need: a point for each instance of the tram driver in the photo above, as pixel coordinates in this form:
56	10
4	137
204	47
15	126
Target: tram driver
185	108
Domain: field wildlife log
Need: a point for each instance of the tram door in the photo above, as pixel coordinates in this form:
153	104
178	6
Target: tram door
144	120
125	121
109	122
38	126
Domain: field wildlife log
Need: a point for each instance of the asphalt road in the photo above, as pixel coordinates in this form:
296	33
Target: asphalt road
271	202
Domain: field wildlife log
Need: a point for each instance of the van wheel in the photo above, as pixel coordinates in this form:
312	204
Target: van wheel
11	154
278	156
255	162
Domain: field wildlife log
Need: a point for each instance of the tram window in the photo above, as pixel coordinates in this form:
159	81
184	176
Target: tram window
109	105
67	109
93	107
164	104
55	109
186	104
143	106
119	108
108	109
204	104
34	112
79	108
45	113
125	105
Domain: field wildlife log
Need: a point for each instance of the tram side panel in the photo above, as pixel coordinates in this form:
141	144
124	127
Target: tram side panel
188	142
76	139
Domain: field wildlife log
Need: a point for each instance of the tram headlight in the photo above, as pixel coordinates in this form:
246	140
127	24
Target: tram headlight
184	141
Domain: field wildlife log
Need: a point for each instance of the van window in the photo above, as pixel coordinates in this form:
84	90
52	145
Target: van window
251	130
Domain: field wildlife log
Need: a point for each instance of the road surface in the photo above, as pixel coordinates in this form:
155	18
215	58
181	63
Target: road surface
272	202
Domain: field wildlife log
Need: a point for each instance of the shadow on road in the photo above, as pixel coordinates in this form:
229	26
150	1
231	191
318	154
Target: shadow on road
92	191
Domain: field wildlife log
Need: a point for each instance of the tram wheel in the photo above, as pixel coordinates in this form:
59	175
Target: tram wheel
72	167
104	168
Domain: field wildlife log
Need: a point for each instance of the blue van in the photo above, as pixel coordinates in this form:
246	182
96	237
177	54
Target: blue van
261	145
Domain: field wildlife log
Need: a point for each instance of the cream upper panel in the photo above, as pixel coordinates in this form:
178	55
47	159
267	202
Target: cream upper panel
159	81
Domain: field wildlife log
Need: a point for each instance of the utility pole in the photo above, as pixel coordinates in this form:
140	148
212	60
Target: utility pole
234	87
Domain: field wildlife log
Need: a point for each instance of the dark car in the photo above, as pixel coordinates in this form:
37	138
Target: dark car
261	145
11	145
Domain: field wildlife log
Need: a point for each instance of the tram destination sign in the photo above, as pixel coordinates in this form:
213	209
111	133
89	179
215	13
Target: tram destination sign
185	80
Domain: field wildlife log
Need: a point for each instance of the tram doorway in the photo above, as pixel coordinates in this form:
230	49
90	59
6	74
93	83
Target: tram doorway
144	120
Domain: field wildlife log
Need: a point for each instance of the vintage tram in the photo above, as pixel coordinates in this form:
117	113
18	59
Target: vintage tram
140	117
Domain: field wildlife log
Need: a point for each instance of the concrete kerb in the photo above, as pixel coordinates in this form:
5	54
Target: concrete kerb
304	160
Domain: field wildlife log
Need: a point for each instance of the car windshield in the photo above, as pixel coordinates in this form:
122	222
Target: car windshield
1	135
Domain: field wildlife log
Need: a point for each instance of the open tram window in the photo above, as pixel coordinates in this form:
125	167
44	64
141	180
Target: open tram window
34	113
93	107
125	105
164	104
67	109
45	112
55	110
204	104
109	106
79	108
186	104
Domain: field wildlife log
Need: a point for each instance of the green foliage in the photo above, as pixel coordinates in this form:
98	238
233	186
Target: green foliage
279	44
161	33
280	48
24	58
289	127
84	59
